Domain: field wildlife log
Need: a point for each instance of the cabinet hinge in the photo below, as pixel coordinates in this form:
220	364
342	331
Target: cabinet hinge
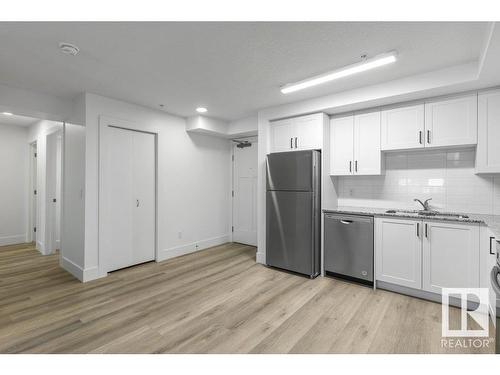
232	193
34	229
232	157
34	192
232	229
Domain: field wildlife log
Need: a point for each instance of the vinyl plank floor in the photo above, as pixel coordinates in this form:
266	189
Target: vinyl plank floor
213	301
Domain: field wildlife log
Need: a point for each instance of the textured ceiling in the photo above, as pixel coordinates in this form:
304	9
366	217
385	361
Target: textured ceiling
233	69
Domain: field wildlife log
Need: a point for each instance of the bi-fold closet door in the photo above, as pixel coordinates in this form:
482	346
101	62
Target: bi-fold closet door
128	196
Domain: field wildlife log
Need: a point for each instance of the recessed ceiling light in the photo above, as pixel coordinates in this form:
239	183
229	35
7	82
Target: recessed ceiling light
366	64
201	109
7	113
68	48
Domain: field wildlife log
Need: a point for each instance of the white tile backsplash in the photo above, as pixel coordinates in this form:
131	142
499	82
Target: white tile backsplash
445	176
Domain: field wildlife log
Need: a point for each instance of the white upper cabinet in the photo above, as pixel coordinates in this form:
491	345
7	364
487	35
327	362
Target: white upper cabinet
488	142
341	146
309	132
451	122
450	256
355	145
367	155
398	251
282	135
298	133
402	128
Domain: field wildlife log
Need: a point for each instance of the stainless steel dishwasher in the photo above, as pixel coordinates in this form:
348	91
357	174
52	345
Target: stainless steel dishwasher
348	247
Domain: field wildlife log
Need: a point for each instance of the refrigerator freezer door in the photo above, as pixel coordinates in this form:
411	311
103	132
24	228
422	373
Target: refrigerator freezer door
290	228
291	171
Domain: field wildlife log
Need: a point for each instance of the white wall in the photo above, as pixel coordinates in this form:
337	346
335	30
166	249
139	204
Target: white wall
14	161
38	132
73	223
446	176
193	175
243	127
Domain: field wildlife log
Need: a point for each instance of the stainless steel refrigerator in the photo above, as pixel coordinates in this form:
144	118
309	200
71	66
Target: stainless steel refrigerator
293	209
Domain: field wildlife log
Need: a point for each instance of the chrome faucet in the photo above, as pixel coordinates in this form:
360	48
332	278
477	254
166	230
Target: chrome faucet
425	204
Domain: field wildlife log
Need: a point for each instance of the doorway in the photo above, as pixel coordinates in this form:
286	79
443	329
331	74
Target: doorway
53	191
245	191
33	212
127	198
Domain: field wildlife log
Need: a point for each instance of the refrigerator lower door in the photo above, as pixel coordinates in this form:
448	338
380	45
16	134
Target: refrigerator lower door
290	242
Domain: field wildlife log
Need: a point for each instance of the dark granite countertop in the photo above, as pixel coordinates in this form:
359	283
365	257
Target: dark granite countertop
492	221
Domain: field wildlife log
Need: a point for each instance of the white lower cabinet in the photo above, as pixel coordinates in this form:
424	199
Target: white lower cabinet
398	248
427	255
450	256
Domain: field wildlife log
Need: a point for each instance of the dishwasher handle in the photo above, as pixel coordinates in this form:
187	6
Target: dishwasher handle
347	222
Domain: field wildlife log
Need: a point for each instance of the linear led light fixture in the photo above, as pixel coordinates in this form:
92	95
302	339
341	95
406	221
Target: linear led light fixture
372	63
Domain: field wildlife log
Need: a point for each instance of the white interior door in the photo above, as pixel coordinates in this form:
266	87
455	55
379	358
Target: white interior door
57	207
33	223
53	191
127	201
245	195
144	177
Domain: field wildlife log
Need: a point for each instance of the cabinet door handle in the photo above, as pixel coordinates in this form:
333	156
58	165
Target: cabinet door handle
420	137
426	234
291	142
418	230
428	136
295	142
356	166
350	166
491	246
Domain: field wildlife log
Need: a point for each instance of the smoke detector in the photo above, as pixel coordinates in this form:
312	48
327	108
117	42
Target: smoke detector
68	48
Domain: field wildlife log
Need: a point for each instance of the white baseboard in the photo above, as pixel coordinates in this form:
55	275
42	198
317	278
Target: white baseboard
72	268
40	246
13	240
192	247
260	257
84	275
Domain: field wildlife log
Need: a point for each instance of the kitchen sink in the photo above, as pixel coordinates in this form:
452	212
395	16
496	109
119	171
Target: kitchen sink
428	213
